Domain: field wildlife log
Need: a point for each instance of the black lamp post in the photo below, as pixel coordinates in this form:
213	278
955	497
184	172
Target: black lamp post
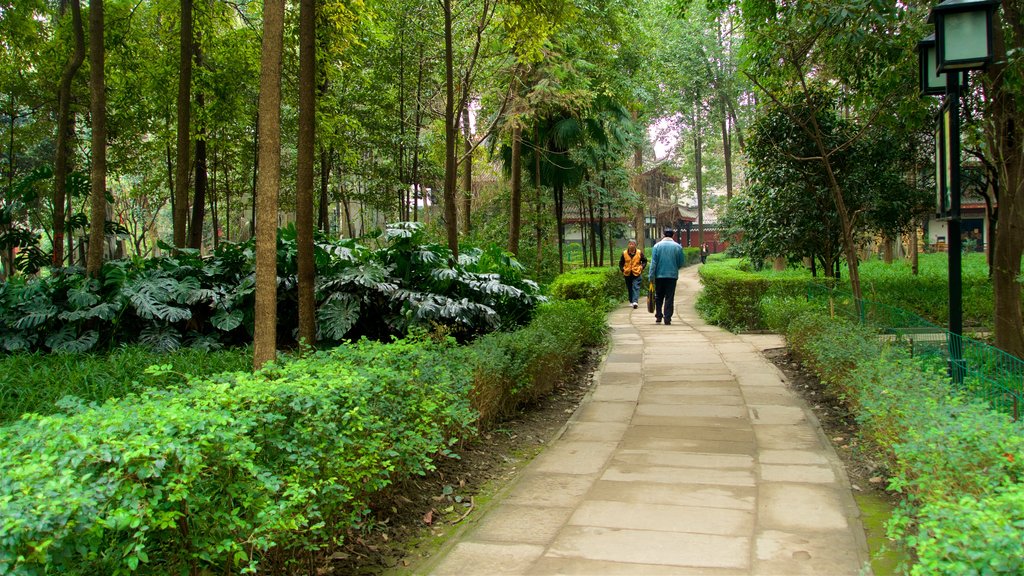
962	42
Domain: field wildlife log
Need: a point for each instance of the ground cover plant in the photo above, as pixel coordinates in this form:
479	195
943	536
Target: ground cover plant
267	471
36	382
378	286
955	463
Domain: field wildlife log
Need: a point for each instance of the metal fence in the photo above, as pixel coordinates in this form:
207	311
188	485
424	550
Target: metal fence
975	368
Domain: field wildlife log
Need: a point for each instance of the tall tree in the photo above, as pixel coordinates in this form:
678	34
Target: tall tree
268	182
64	132
184	125
304	177
516	184
98	111
1004	84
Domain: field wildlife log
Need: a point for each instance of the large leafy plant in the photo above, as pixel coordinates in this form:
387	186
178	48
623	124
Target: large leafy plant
186	299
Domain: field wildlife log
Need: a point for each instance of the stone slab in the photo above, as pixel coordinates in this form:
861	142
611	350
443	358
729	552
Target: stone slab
580	431
797	473
522	523
549	566
684	459
692	411
727	497
605	412
774	437
663	517
555	490
800	508
620	393
649	547
574	457
691	432
803	555
488	559
767	414
664	474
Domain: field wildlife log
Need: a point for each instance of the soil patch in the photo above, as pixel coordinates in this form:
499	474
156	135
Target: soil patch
412	521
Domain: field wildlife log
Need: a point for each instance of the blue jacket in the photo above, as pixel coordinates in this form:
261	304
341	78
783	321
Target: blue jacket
666	259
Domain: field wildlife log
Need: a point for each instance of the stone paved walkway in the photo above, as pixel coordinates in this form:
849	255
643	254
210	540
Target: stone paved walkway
690	456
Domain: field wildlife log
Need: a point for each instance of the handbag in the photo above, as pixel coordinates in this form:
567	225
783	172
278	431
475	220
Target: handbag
650	297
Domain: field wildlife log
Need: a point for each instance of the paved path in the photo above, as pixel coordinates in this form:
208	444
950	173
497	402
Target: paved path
690	456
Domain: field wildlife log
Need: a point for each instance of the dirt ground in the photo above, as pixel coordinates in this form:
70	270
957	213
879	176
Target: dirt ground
418	516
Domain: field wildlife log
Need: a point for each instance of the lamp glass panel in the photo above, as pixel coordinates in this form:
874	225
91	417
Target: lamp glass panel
935	80
965	36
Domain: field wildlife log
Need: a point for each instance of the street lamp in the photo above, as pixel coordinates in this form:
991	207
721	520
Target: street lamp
962	42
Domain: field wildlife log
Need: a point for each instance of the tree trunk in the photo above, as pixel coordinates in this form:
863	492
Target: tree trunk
538	227
323	220
726	150
98	111
195	239
559	193
304	178
255	173
269	179
214	215
1005	133
467	171
639	218
450	134
516	185
65	134
698	160
184	123
593	236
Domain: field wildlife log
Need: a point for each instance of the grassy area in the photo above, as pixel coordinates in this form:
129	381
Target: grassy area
36	382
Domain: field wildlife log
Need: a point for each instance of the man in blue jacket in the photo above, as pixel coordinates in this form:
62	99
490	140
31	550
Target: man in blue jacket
666	260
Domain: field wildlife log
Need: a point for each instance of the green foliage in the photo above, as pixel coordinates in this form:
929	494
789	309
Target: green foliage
595	285
974	534
230	470
958	464
731	297
36	382
185	299
512	369
729	300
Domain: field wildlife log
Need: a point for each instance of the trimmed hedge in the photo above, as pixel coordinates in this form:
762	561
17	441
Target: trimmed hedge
513	369
958	465
596	285
732	296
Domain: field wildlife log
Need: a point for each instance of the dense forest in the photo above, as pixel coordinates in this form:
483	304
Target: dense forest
195	123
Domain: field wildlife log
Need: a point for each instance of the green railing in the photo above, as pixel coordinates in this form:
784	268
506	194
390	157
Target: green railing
978	369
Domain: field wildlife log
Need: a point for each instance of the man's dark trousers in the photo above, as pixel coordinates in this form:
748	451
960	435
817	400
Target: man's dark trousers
664	297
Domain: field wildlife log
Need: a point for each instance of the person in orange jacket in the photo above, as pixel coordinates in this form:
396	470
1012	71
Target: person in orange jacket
632	264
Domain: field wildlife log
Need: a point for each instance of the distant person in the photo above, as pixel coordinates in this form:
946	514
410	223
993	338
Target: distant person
632	264
666	260
704	253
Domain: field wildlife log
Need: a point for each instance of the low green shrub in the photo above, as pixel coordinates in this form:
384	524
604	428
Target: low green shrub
958	464
35	382
235	471
778	311
971	535
596	285
513	369
731	297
